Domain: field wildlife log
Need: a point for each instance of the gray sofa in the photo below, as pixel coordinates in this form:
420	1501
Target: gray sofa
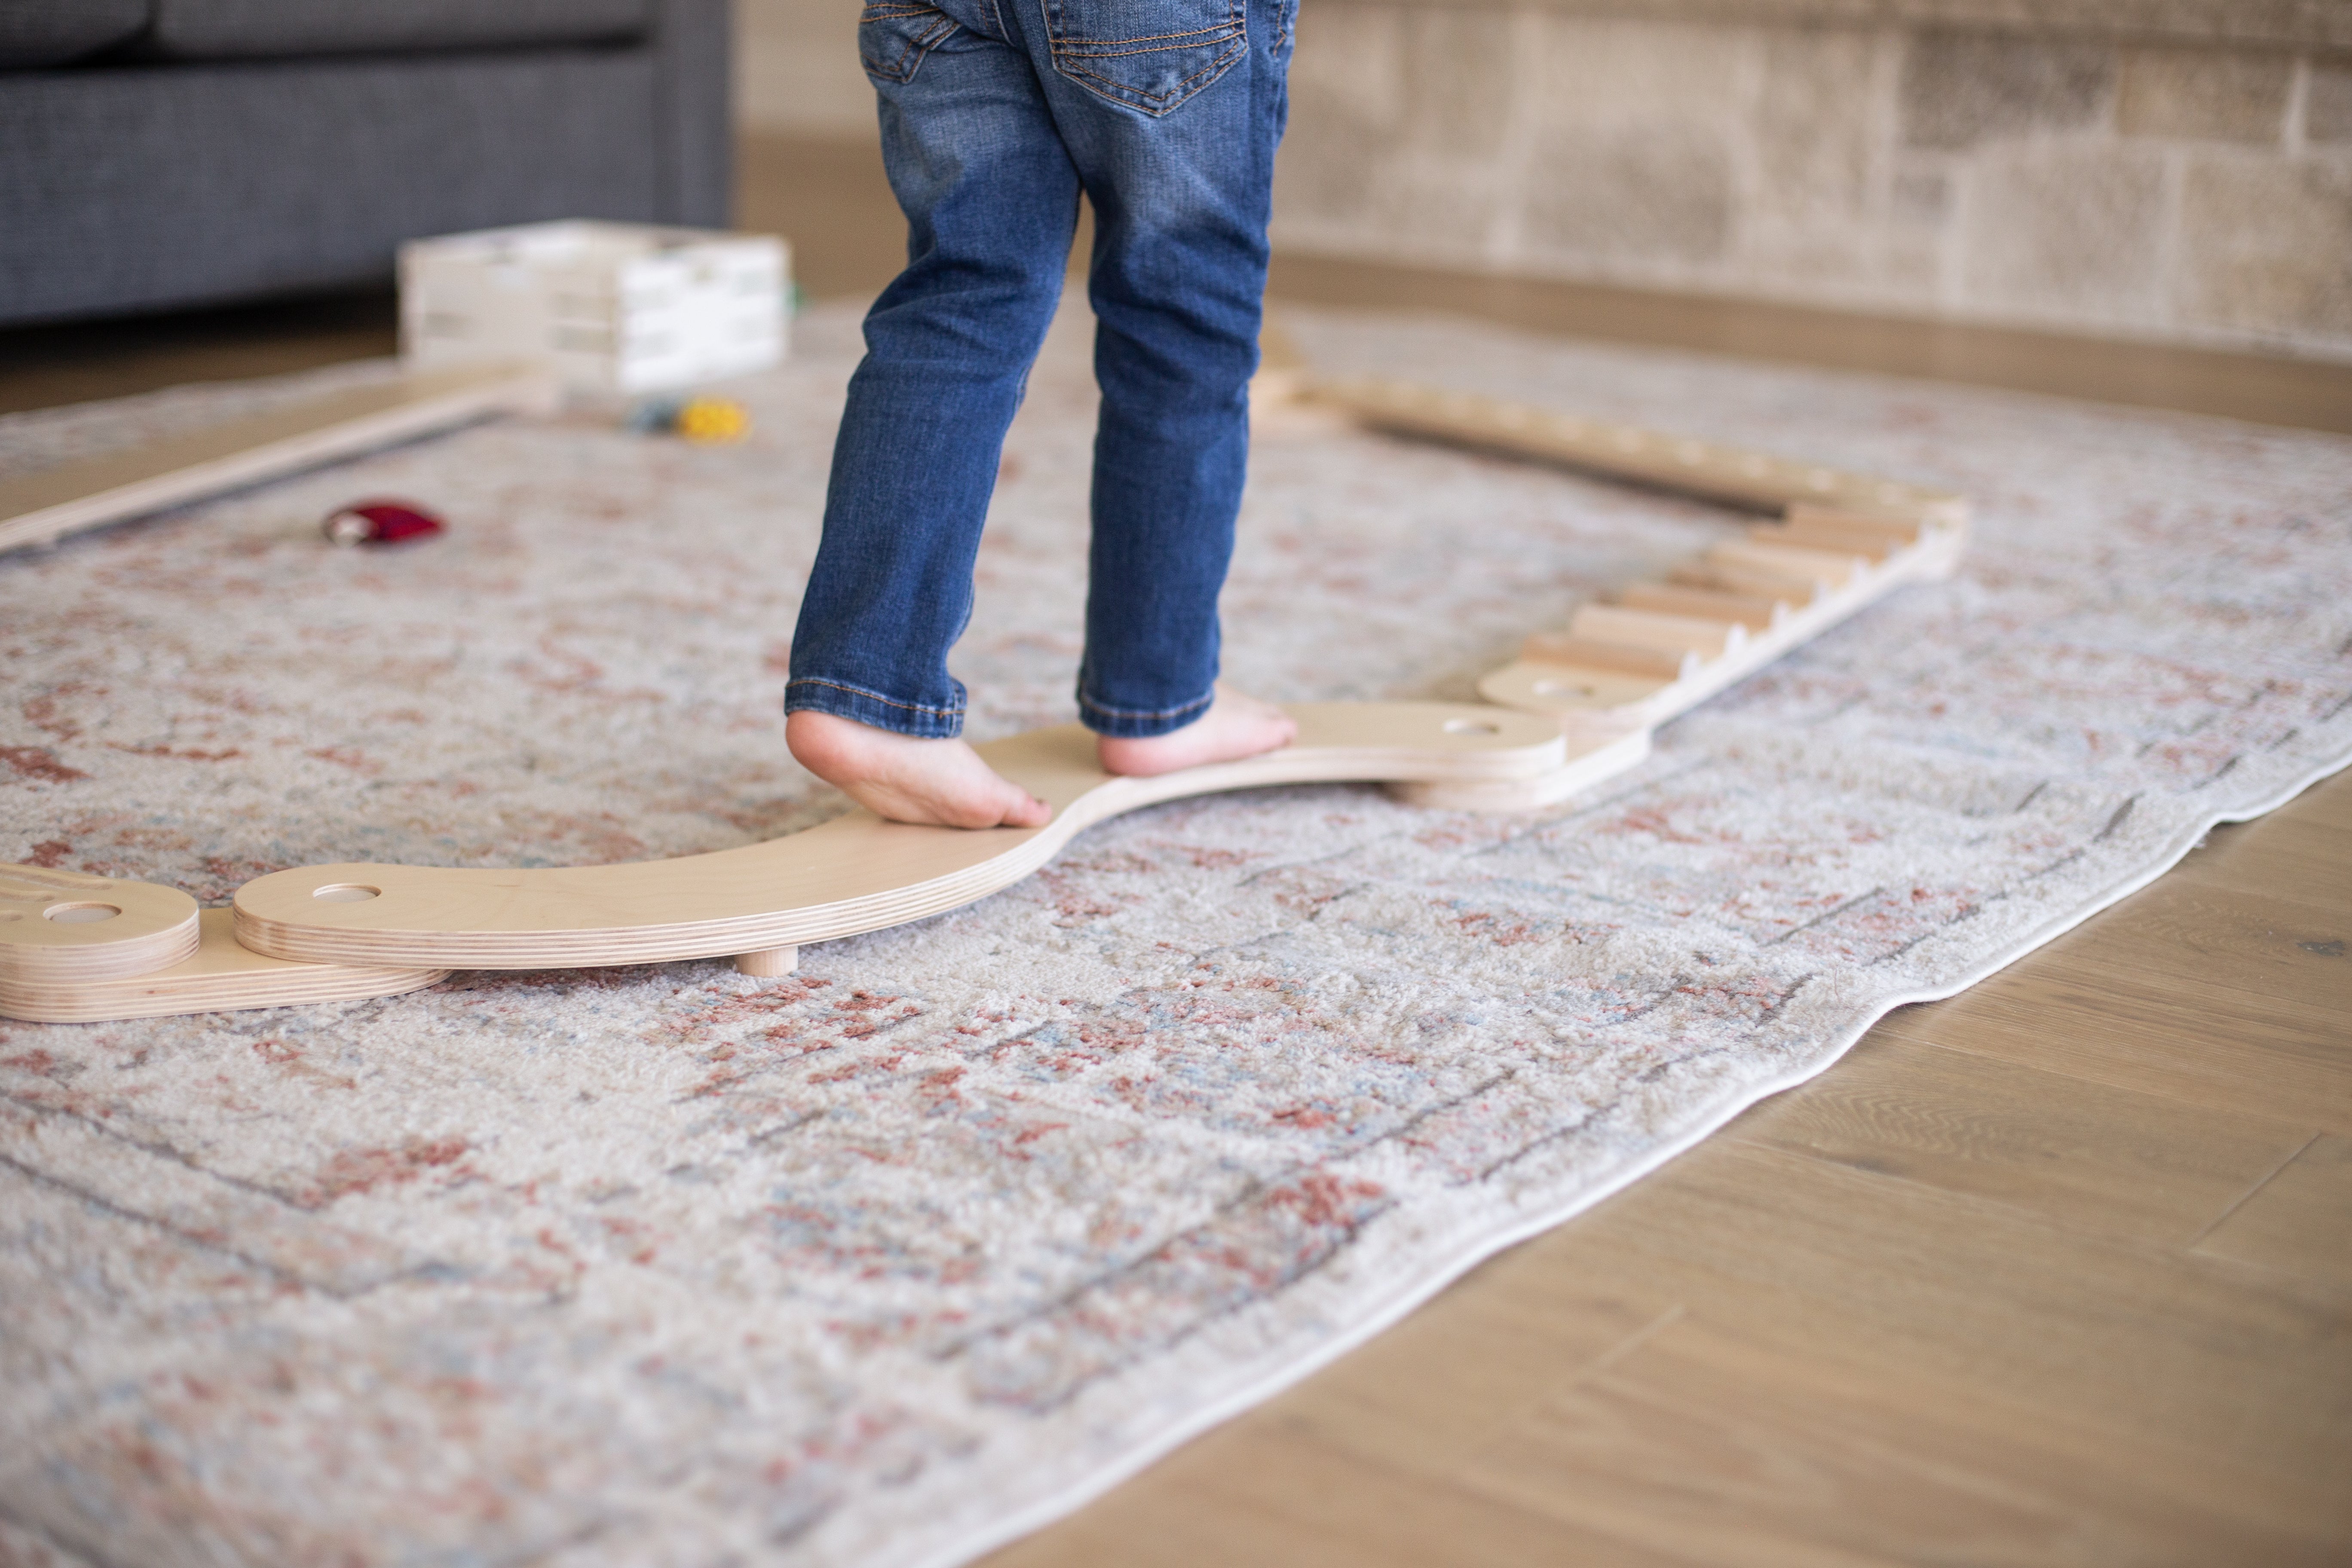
162	153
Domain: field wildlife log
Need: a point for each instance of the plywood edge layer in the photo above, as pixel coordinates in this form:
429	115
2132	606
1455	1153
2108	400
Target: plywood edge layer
221	975
49	503
60	926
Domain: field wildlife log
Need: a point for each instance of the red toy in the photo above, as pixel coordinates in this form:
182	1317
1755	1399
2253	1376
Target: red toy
379	522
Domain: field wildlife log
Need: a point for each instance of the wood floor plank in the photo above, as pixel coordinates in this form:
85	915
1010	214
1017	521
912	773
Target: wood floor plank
2105	1160
2122	1336
2204	932
1260	1494
1709	1441
1467	1365
2232	1050
2306	857
2328	801
2299	1222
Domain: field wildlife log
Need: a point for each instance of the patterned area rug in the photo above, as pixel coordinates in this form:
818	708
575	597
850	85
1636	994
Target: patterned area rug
889	1262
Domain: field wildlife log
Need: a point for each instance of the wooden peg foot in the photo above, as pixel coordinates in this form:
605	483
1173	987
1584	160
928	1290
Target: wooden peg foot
768	962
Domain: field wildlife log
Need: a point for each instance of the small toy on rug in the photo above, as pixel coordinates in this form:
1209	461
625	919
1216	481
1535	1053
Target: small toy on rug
381	521
705	421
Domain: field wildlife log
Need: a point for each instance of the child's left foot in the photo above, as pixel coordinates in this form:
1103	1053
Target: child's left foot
1234	727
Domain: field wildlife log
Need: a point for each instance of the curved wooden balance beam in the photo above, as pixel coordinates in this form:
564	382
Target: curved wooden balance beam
857	873
337	933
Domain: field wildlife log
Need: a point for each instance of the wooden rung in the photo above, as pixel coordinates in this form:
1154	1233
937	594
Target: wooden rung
1777	587
1757	612
1874	549
1812	515
1822	565
1649	628
1584	653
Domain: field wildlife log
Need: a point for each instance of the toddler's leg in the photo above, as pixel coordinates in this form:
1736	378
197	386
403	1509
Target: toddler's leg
990	198
1177	154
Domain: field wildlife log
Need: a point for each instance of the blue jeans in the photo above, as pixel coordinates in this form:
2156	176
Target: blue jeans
996	114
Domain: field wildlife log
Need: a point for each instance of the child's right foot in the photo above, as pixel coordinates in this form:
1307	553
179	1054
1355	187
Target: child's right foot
940	784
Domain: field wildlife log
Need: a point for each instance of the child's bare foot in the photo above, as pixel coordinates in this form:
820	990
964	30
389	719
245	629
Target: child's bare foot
1234	727
938	782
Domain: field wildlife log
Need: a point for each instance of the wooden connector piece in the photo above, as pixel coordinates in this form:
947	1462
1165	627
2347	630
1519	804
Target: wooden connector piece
65	927
1584	653
1757	612
769	963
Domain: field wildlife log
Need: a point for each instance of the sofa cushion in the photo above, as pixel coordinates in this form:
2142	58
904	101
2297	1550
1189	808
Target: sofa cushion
274	29
154	189
50	32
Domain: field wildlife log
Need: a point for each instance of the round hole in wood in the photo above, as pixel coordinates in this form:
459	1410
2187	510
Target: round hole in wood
346	893
1472	727
81	914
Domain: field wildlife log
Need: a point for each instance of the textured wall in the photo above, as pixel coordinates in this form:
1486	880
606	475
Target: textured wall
2170	168
2168	187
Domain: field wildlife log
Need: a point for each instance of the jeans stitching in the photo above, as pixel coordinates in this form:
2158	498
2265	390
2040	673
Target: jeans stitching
913	48
1075	46
1106	709
861	691
1234	31
1174	95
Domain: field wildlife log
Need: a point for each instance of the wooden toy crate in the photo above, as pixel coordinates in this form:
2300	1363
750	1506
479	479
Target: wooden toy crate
609	307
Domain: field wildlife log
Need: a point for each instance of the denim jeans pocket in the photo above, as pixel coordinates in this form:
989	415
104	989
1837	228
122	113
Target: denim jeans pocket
1150	55
893	37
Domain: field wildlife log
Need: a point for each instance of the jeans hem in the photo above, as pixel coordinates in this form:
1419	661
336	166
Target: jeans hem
812	695
1130	724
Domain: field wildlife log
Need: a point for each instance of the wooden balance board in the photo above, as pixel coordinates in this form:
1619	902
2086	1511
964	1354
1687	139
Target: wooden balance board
1578	707
76	948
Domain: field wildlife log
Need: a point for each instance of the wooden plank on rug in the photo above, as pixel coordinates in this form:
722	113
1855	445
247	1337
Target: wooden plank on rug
48	503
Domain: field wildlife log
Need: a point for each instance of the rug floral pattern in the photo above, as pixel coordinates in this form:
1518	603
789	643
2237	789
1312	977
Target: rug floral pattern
879	1263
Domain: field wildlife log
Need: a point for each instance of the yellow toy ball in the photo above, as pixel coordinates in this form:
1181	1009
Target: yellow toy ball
712	420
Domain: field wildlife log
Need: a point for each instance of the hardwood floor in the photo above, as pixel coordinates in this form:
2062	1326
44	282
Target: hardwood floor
2058	1271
